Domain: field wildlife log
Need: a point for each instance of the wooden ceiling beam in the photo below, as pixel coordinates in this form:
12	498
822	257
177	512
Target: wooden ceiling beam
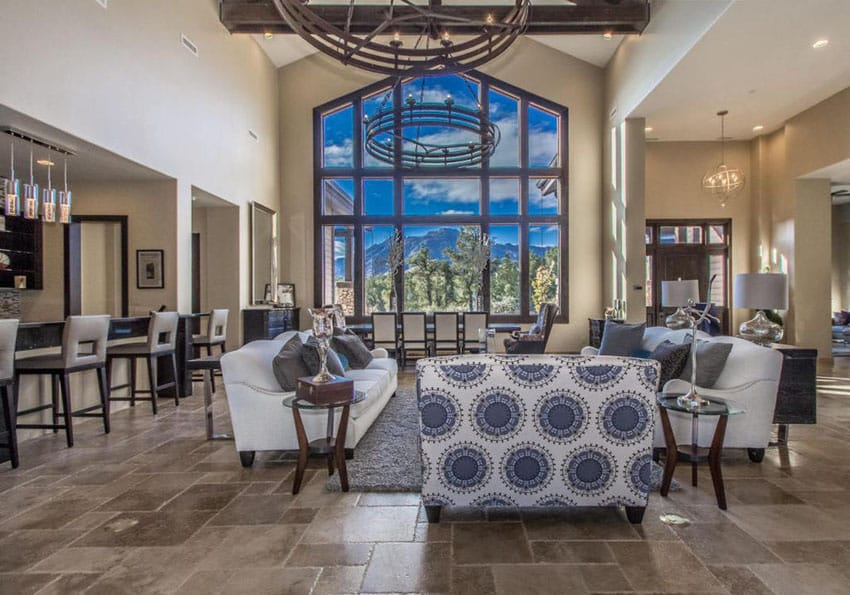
623	17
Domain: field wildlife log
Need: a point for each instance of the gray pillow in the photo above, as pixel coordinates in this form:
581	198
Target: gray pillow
711	359
672	358
310	355
353	348
621	339
288	365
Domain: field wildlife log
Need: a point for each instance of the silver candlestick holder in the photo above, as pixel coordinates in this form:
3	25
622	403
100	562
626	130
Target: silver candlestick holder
692	398
323	330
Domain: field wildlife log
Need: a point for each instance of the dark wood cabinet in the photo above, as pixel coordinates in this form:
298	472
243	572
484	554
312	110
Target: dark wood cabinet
20	252
796	401
268	323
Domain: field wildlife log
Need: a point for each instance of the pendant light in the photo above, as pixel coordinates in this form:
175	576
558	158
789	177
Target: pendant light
12	190
723	182
31	194
48	201
65	200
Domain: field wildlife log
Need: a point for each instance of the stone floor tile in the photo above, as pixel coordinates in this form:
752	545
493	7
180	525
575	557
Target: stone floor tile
24	549
759	491
345	524
21	584
435	532
272	581
815	552
298	516
580	523
132	529
258	546
490	543
330	554
253	509
544	579
600	578
788	579
408	567
791	522
740	580
472	580
390	499
205	582
723	543
70	584
339	579
663	567
571	552
53	514
82	559
205	496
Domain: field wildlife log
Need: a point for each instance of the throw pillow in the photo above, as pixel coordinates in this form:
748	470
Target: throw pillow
288	365
353	348
711	359
310	355
344	361
672	358
841	318
621	339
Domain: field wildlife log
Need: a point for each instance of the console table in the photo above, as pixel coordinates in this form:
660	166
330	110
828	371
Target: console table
796	400
267	323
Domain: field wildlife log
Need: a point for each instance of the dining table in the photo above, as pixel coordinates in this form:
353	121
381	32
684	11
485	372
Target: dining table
365	328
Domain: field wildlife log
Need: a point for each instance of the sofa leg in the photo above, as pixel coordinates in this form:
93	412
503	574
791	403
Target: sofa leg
635	514
433	513
656	454
246	457
756	454
349	454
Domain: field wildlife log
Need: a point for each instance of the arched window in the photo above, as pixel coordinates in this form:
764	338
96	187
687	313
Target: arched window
517	198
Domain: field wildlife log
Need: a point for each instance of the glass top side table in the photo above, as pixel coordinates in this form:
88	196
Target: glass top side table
692	453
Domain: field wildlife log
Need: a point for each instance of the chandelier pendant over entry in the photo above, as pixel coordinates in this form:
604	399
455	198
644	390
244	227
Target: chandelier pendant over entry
432	50
723	182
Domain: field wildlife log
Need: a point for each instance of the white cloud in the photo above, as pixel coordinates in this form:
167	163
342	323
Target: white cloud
456	212
460	191
339	155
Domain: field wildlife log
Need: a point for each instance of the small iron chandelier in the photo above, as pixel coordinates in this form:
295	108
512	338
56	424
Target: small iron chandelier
723	182
393	134
383	51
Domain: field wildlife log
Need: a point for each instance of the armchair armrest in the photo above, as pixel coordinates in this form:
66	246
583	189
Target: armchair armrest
589	351
380	352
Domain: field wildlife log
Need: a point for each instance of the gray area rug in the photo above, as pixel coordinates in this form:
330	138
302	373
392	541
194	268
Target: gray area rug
387	457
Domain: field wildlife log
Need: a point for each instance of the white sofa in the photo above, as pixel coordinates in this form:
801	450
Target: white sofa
261	422
750	379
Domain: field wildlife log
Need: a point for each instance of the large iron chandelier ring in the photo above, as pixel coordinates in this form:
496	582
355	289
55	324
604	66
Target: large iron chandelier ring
417	151
382	50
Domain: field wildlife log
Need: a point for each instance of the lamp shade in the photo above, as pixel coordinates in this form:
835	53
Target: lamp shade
677	293
761	291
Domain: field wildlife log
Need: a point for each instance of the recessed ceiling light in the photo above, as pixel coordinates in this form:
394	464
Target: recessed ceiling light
648	129
757	128
608	35
268	35
45	162
820	43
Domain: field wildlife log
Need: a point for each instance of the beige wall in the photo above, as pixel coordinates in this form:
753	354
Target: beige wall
531	66
100	267
674	172
840	257
120	79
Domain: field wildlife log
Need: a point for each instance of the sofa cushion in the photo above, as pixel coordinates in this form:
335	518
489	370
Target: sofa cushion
387	364
711	359
310	354
353	348
288	365
621	339
672	358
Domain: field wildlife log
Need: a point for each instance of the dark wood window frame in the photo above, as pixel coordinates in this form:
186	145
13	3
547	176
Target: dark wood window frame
358	173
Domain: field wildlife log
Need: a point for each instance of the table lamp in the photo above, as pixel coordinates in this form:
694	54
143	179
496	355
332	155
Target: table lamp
679	294
761	291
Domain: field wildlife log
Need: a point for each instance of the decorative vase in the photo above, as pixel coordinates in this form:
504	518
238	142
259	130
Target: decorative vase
323	329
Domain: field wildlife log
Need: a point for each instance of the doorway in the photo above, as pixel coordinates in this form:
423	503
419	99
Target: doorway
96	265
688	249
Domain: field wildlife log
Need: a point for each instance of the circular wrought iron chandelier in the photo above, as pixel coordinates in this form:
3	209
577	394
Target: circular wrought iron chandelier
723	182
382	50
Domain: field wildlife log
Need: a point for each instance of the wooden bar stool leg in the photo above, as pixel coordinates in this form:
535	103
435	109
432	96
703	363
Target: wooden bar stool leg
176	381
152	379
54	392
65	385
103	384
131	362
10	409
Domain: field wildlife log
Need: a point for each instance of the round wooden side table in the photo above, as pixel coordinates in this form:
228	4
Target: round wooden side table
693	453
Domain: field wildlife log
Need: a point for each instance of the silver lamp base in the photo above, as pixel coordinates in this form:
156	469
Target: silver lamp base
678	320
691	400
761	330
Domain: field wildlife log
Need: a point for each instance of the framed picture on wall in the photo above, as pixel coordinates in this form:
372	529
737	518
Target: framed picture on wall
149	273
286	295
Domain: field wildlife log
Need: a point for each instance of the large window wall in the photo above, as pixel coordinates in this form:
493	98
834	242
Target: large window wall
517	198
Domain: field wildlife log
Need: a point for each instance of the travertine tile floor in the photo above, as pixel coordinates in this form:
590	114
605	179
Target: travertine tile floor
153	507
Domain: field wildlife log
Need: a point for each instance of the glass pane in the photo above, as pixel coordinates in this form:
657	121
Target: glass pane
377	280
439	267
338	138
504	112
543	196
442	196
680	234
716	234
504	196
378	197
504	269
717	266
647	235
542	138
338	196
648	286
371	105
543	267
338	266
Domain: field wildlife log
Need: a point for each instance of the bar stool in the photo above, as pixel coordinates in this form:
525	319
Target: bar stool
216	335
78	331
8	336
161	342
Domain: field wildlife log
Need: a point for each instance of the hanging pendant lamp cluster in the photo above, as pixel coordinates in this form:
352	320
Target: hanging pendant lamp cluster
32	205
723	182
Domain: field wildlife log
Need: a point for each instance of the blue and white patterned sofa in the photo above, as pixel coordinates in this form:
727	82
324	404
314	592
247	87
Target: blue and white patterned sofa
536	430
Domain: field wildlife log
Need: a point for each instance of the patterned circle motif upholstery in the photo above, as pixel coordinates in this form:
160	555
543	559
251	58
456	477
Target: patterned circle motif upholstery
597	377
463	374
561	415
439	414
465	467
497	414
640	473
589	471
493	500
532	375
624	418
528	468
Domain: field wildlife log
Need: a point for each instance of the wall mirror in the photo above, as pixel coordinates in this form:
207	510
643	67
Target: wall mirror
263	253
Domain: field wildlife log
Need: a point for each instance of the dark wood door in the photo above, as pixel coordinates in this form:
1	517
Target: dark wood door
196	272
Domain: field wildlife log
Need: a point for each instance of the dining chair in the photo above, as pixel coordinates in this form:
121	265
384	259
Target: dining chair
385	331
8	395
446	337
83	348
161	342
413	335
472	323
